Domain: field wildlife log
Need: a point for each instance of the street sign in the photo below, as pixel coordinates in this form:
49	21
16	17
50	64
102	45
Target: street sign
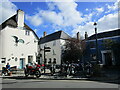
47	50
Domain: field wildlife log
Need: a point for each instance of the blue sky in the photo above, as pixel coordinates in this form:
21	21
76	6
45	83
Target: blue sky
71	17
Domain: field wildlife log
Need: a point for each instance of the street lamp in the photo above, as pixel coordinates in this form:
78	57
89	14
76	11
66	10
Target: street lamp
97	58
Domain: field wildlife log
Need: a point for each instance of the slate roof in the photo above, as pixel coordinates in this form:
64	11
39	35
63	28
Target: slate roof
54	36
12	22
105	34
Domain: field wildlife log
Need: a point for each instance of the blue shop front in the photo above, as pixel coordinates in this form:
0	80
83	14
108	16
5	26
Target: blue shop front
108	48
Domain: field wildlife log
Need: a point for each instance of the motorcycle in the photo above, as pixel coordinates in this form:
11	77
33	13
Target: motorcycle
72	69
88	68
32	70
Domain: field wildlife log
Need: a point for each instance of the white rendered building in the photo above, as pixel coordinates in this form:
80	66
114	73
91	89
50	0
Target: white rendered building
55	41
18	42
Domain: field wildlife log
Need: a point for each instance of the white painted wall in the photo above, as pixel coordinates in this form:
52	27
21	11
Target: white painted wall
9	49
57	48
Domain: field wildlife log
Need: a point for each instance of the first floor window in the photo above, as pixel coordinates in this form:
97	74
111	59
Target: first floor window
27	32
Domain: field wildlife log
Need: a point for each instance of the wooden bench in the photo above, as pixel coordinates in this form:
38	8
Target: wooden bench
14	69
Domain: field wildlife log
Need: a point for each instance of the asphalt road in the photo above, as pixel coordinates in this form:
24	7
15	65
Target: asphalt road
34	83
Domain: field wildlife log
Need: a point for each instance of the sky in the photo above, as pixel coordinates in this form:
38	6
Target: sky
71	17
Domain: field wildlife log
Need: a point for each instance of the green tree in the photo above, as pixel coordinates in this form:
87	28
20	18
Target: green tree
73	50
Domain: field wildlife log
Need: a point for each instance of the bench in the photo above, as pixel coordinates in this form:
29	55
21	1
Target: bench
12	69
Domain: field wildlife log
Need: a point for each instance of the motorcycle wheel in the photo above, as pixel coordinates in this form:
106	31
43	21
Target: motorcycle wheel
26	75
37	74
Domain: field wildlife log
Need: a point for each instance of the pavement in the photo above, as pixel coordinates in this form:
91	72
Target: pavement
48	76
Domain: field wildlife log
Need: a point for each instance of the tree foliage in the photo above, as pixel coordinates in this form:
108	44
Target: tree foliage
73	50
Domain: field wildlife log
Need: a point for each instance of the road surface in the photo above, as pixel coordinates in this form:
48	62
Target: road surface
35	83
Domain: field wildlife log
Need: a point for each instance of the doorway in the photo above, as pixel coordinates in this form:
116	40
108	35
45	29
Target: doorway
22	63
107	58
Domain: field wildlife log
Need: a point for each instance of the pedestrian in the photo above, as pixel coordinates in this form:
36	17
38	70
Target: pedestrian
8	68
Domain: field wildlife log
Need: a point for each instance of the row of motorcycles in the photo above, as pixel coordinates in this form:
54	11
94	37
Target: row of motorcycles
68	69
74	69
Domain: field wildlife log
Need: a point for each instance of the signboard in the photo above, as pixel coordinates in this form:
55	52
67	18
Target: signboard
47	50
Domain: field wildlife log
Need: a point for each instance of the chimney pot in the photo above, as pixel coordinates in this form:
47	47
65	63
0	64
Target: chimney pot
86	35
78	35
44	34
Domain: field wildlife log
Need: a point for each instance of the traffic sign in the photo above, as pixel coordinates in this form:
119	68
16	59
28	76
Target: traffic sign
47	50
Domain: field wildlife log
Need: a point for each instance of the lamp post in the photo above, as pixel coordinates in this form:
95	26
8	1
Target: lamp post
97	58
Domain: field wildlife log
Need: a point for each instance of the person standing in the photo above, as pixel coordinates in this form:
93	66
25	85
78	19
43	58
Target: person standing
8	68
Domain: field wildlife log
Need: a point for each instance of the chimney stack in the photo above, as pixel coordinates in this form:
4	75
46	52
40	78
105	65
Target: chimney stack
20	18
44	34
78	35
86	35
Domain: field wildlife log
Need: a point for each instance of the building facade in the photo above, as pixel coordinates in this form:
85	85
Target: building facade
56	42
108	44
18	42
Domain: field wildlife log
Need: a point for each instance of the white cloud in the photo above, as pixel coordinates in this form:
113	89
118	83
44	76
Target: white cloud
100	10
88	17
89	28
69	13
106	23
52	17
7	9
65	17
112	7
51	6
34	20
86	9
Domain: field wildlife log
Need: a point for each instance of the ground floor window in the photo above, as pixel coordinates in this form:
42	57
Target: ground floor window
30	59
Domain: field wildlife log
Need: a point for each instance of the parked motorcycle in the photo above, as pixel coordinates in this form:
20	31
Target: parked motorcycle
88	69
32	70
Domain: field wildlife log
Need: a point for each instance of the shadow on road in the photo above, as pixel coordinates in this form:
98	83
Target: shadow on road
113	81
